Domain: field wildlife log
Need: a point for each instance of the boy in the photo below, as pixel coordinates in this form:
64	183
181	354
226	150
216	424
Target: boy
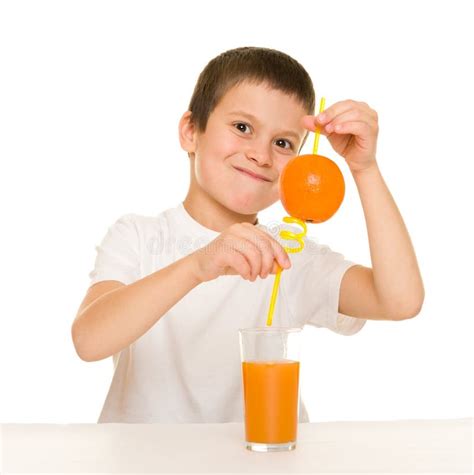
168	293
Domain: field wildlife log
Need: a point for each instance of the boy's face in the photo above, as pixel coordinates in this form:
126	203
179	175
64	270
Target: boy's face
255	128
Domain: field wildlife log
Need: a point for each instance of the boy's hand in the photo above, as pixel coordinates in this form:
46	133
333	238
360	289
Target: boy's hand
242	249
351	128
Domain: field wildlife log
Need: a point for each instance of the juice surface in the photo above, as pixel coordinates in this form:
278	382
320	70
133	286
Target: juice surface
271	400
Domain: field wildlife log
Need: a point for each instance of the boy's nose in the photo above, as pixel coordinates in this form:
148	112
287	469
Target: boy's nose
261	155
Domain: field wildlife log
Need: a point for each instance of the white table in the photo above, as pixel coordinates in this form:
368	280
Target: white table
406	446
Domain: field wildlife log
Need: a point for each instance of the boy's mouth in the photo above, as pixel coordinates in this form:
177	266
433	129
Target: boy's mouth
253	175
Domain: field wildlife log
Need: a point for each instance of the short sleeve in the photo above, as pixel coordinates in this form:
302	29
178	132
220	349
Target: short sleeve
311	287
118	254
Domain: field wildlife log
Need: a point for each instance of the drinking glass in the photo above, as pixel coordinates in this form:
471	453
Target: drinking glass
270	370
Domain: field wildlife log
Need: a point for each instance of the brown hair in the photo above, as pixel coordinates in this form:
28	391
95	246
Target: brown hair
279	70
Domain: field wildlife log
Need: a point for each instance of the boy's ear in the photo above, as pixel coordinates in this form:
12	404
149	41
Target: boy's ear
187	133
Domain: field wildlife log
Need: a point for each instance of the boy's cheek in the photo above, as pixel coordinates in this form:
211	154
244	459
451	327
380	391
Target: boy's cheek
280	165
231	145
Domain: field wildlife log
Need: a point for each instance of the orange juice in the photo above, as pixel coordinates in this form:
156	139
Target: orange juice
271	400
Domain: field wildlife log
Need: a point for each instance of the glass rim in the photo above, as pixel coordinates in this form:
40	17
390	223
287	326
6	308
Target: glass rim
271	330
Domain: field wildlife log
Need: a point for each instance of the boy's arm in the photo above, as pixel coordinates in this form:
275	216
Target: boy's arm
392	289
112	318
119	317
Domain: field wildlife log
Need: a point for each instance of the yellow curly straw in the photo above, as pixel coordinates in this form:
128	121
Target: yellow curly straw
290	235
285	234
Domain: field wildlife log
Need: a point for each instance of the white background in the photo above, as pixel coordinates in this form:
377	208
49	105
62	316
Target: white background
90	97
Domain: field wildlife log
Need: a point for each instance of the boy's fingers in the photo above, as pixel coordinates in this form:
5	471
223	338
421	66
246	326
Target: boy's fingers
254	234
241	265
361	109
237	263
275	268
269	256
309	122
283	258
251	253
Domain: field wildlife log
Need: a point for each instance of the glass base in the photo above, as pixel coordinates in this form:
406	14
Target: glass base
258	447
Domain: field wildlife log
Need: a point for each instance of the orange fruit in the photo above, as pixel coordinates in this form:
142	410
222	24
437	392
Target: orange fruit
311	188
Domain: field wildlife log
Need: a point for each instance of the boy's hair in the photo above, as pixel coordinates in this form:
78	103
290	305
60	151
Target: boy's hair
279	70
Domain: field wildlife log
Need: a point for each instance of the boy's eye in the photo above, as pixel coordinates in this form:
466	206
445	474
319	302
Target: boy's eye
241	126
281	142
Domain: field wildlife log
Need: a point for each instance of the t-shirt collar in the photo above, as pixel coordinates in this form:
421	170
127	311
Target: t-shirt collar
197	227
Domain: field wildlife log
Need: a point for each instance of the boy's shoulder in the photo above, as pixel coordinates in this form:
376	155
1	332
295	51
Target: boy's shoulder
145	219
137	223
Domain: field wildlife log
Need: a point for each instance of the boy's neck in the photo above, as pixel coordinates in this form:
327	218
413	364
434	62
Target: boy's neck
213	215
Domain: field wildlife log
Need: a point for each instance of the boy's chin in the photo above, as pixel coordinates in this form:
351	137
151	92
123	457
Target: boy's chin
248	208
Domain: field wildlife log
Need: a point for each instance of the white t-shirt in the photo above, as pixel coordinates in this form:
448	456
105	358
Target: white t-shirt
187	367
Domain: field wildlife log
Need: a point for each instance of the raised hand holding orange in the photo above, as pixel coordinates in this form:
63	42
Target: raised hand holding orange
351	128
